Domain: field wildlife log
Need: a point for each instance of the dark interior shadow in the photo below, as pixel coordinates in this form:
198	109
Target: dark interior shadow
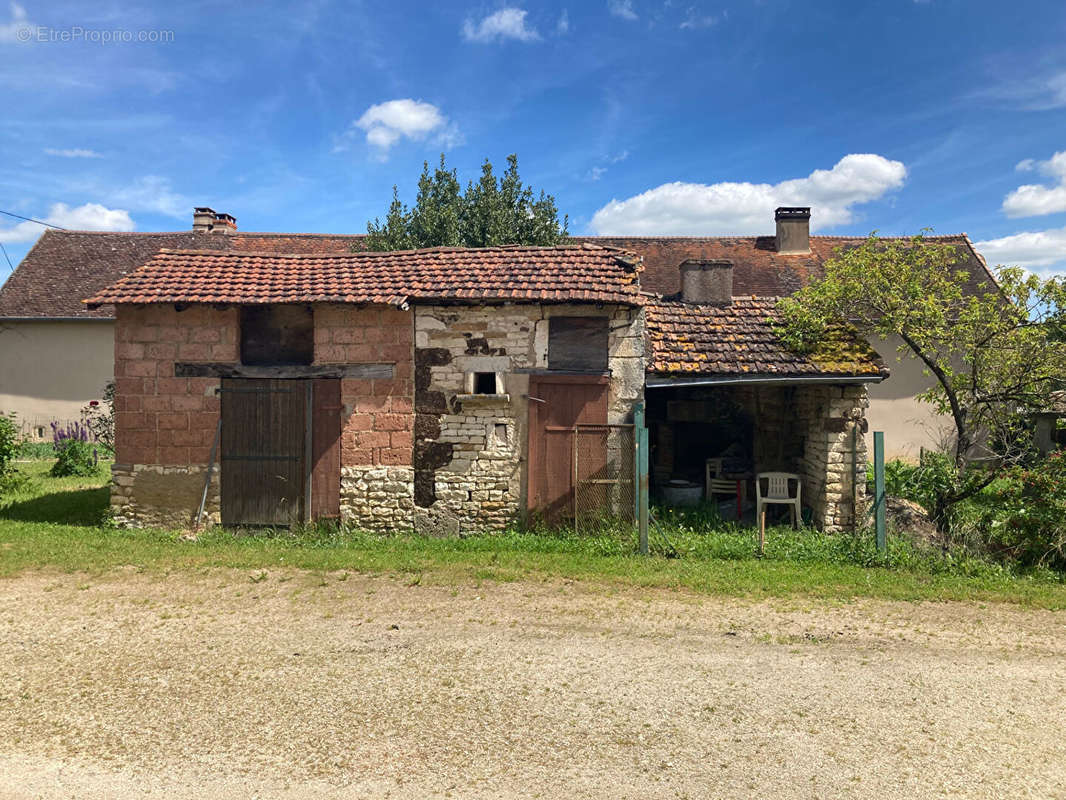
82	507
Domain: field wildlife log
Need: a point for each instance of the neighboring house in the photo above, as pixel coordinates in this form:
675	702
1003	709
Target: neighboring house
42	321
776	266
450	390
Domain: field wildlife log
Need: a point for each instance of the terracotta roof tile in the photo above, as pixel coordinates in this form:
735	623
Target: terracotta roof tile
739	339
64	267
549	274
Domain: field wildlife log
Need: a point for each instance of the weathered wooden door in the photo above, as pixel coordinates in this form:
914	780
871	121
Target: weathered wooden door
557	403
326	449
264	451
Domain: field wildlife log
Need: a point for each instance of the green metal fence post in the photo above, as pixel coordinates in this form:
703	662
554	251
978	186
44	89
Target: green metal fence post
879	490
640	476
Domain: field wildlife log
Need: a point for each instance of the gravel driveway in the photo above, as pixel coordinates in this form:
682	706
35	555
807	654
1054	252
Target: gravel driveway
300	685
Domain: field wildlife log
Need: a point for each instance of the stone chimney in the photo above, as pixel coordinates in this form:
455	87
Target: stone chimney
207	220
707	282
202	219
793	230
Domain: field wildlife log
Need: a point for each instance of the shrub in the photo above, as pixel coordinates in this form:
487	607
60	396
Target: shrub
1027	520
75	457
9	442
10	478
75	452
919	482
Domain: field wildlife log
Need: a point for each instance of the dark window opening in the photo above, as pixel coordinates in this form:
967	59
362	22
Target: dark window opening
577	344
277	335
484	383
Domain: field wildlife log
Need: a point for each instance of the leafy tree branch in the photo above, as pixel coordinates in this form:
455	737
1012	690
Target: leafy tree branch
994	347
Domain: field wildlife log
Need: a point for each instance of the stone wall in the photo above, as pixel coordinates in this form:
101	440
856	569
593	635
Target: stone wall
827	415
455	465
162	496
470	449
378	498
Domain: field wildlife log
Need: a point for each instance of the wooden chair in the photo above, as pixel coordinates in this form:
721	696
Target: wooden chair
718	486
778	491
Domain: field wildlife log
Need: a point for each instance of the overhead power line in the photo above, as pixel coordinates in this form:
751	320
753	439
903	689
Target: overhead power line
31	219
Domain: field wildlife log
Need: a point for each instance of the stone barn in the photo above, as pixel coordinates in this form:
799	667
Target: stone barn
431	389
457	390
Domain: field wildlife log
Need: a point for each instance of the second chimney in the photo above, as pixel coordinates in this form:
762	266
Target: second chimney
793	229
707	282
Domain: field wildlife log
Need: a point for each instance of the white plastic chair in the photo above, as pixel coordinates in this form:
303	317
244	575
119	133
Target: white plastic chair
778	491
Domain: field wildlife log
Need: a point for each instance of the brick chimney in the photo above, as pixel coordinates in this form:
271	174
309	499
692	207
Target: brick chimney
707	281
793	229
224	223
207	220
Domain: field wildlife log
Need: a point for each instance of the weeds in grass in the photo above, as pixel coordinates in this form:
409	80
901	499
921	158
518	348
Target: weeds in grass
56	524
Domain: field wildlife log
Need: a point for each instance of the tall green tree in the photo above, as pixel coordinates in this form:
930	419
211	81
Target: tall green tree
994	348
493	211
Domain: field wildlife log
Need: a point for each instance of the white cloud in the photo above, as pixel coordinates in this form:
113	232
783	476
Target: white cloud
507	23
1033	199
387	123
20	29
622	9
1042	92
1030	249
74	152
747	208
89	217
694	19
152	193
606	161
563	25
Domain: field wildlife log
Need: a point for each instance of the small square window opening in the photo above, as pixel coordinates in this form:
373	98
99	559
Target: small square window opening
484	383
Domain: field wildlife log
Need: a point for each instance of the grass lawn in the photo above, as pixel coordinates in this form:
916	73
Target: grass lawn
59	523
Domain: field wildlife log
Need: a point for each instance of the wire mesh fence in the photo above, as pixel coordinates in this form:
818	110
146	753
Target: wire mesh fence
604	485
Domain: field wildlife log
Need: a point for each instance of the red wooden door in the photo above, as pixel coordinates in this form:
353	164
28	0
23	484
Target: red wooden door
326	449
556	404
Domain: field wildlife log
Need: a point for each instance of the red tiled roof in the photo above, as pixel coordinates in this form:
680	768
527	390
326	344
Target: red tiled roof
739	340
64	267
573	273
758	269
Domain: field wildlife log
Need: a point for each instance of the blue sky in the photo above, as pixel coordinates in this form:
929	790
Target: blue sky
639	116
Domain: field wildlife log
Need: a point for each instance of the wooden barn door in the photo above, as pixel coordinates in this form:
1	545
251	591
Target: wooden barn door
557	403
263	454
